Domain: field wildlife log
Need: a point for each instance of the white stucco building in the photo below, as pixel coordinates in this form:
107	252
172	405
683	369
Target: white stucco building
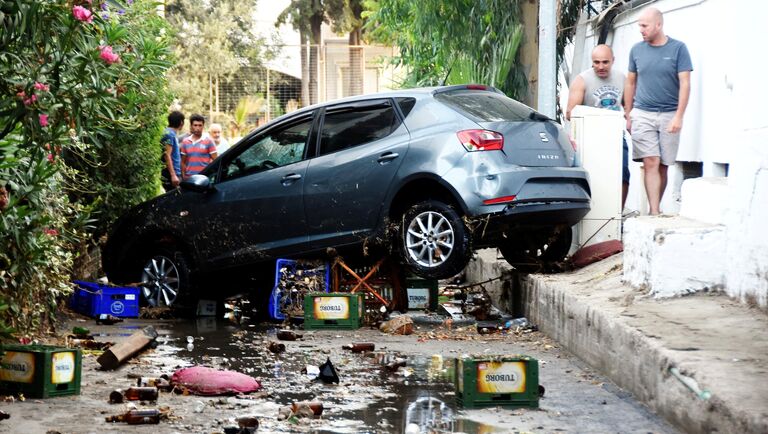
724	139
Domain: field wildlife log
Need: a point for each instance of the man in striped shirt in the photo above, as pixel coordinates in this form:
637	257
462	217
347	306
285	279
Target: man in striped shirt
197	150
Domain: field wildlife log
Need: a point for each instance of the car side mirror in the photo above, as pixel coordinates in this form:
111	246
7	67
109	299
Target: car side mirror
199	183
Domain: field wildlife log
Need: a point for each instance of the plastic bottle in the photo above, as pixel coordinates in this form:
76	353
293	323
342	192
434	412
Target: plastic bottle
108	319
517	322
136	417
359	347
80	331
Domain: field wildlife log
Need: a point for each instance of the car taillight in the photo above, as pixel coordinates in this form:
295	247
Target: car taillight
481	140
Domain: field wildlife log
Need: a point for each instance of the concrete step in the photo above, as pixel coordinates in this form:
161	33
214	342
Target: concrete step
669	256
705	199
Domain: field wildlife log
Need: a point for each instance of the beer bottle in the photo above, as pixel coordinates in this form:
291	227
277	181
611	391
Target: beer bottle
107	319
141	393
276	347
136	417
116	397
288	335
161	383
359	347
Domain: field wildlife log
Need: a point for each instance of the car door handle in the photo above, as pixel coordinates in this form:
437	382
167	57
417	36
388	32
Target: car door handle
290	178
387	157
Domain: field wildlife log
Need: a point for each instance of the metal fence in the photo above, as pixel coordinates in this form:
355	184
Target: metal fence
259	94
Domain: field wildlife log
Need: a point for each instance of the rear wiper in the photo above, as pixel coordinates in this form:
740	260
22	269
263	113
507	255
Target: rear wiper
536	116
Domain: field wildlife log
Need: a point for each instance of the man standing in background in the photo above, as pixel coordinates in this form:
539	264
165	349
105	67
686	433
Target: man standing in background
656	94
221	143
171	173
601	87
197	150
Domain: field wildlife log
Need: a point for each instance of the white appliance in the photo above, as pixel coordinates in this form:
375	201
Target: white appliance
598	135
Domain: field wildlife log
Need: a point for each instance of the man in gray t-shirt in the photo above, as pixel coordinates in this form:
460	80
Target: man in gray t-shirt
601	87
656	95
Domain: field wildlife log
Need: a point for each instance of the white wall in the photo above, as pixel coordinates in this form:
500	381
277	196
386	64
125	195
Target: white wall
747	214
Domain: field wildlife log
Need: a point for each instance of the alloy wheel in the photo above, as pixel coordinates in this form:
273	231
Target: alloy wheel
160	281
430	239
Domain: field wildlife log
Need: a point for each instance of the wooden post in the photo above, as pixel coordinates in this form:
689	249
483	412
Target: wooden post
117	354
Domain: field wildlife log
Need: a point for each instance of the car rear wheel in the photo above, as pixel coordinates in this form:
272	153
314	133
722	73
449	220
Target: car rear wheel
165	279
434	241
534	252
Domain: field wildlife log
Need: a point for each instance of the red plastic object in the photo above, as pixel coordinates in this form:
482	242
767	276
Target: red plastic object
596	252
200	380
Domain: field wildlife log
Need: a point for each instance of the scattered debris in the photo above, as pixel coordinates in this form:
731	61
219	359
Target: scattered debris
276	347
133	394
248	422
117	354
328	372
107	319
4	415
288	335
399	325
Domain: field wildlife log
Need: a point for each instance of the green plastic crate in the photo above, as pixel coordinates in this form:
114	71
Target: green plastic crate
422	293
500	381
333	310
40	371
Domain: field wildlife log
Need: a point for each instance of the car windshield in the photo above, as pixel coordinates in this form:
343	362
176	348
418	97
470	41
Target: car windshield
484	106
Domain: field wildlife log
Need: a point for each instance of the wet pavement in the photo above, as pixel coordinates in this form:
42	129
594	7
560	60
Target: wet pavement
370	398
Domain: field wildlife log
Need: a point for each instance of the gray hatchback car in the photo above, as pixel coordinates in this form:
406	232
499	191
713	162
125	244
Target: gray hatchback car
431	174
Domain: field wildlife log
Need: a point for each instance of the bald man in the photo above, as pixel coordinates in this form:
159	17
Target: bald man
601	87
656	93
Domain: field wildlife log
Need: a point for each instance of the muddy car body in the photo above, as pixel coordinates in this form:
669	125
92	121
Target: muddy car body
430	173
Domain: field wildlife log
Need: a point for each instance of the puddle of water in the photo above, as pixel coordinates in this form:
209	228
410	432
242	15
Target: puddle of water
374	395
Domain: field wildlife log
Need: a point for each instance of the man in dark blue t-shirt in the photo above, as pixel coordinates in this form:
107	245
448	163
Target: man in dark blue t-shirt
171	174
656	94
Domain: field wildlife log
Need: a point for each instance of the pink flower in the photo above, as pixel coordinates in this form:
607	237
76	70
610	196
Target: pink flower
108	56
31	100
41	86
43	118
82	14
51	232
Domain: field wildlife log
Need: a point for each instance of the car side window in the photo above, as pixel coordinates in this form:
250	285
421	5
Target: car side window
353	126
279	147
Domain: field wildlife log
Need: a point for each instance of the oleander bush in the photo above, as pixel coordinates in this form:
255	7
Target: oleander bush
83	97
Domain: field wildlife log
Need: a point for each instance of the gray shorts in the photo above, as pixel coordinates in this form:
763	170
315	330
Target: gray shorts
650	137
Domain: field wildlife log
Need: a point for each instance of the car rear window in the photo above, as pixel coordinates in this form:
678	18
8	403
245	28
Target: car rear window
484	106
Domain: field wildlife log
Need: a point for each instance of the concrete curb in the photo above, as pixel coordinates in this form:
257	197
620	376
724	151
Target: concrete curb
597	318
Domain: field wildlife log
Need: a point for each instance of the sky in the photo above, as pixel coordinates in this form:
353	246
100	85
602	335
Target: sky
288	61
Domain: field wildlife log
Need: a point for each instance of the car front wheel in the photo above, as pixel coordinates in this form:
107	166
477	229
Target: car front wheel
434	241
165	279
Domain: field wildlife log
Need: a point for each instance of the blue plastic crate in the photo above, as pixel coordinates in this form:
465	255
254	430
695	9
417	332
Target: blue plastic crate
93	299
292	266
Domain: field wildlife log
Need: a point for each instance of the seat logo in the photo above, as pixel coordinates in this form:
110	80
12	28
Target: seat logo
543	137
